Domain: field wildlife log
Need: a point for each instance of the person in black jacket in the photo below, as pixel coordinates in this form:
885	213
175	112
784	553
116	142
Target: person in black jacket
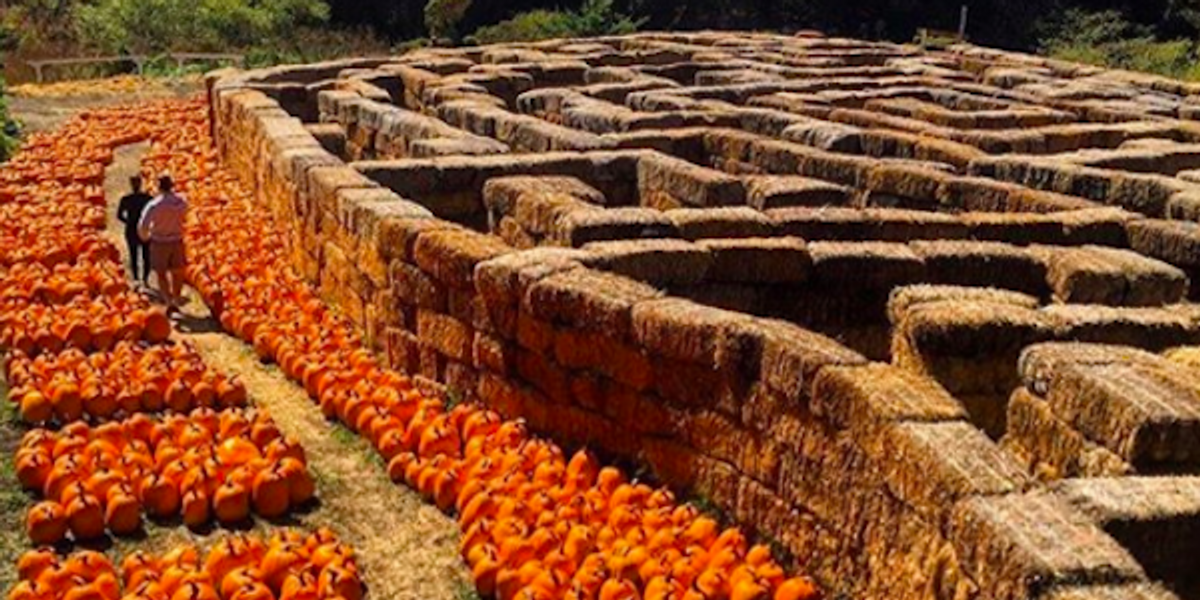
129	212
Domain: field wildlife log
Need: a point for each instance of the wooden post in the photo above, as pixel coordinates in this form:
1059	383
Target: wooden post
962	24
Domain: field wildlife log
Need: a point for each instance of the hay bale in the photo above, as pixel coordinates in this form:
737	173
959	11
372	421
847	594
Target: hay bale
855	224
587	299
686	183
1155	518
540	214
451	255
1150	328
501	193
1097	275
1054	449
363	211
777	191
975	194
911	183
445	334
724	222
501	282
1185	355
904	298
1146	412
582	227
792	357
932	466
866	397
1024	545
397	237
1132	591
657	262
690	332
1176	242
603	353
1039	363
412	286
969	347
509	230
758	260
1098	226
875	265
982	264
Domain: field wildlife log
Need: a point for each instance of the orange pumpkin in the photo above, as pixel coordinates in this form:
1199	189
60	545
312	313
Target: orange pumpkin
270	494
231	503
46	523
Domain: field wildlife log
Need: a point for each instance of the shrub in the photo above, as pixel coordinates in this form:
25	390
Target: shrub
595	17
1107	39
153	26
9	129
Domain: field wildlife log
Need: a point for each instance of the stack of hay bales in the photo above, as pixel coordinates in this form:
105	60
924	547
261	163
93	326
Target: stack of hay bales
1087	410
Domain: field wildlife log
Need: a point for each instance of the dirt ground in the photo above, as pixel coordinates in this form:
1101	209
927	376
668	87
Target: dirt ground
407	548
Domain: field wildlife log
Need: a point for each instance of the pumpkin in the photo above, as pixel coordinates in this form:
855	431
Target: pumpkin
231	503
300	484
270	494
277	564
31	564
122	512
239	578
339	581
46	524
160	496
195	508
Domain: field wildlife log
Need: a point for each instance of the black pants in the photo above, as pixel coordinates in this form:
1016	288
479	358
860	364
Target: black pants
138	248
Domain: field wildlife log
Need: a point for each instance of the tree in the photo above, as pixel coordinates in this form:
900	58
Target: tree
153	26
443	16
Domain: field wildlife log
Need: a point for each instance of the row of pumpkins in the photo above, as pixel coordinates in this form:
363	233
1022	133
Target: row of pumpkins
289	565
89	357
197	466
537	524
133	377
79	343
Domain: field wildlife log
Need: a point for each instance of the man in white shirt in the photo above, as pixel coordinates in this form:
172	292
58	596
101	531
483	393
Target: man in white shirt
161	226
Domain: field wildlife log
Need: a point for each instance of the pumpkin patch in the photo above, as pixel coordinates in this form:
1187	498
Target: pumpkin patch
202	465
288	564
130	378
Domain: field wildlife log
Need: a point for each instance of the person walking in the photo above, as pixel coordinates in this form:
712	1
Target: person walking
161	226
129	212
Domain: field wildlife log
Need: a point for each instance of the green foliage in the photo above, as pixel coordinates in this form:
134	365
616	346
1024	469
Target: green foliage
1108	39
595	17
155	26
443	16
9	129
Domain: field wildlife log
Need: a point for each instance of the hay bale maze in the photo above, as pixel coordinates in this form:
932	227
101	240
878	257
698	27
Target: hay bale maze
922	318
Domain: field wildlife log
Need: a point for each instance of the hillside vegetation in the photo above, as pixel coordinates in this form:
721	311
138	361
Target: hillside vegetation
1152	35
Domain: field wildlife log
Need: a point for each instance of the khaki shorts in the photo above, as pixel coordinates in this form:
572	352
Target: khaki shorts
167	256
